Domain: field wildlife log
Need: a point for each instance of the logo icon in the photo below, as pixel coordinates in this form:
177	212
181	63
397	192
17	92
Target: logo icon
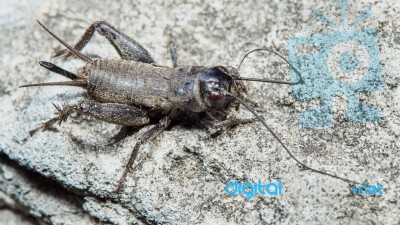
368	190
345	62
250	189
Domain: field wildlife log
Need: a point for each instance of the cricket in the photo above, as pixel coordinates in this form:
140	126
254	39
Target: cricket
136	92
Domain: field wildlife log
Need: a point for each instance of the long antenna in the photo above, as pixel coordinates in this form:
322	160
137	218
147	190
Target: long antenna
266	80
283	145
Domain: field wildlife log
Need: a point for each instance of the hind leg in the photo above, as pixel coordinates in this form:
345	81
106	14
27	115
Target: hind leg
126	47
174	54
110	112
63	112
145	138
124	132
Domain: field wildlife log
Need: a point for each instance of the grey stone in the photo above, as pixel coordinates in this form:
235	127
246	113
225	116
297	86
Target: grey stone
179	177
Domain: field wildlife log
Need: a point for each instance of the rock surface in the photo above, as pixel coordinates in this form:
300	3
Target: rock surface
68	175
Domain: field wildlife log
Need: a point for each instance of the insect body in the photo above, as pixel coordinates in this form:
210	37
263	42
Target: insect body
135	91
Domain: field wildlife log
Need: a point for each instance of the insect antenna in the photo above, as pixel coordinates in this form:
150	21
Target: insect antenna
267	80
283	145
71	49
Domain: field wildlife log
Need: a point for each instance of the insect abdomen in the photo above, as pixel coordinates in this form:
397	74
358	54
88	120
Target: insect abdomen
142	84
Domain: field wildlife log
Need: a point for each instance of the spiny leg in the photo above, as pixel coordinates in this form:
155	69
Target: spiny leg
126	47
174	54
115	113
110	112
63	112
146	137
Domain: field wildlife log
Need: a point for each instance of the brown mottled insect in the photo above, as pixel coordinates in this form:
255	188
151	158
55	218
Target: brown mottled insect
136	92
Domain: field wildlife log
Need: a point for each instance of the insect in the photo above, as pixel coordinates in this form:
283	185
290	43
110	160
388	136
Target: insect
136	92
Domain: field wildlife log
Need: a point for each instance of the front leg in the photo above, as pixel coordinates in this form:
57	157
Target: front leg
216	127
219	125
146	137
126	47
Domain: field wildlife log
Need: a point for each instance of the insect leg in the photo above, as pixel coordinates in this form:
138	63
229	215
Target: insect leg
146	137
120	114
174	54
124	132
227	123
110	112
63	112
126	47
